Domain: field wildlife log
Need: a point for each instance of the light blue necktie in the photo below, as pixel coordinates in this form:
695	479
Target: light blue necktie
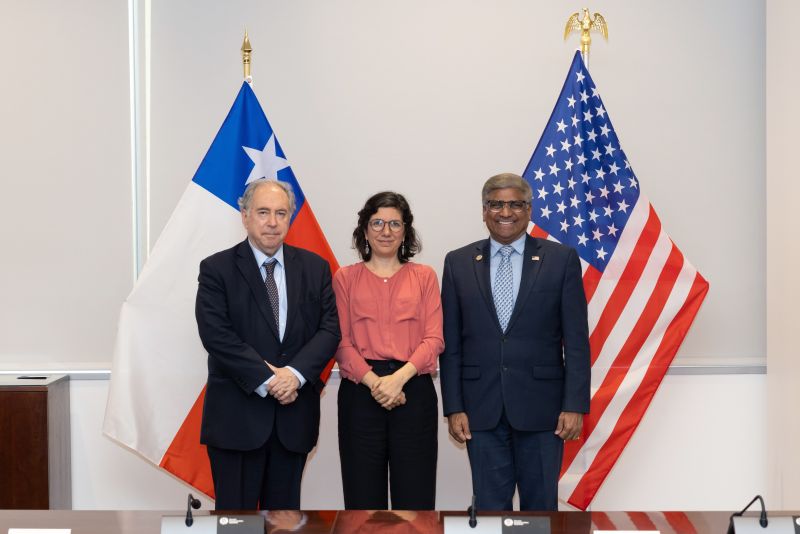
504	287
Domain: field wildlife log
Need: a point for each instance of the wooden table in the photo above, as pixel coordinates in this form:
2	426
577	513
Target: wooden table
340	522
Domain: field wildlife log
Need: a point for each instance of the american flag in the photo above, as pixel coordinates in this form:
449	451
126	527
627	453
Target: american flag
642	293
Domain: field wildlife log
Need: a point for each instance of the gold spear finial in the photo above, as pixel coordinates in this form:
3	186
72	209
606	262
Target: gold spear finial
246	51
585	26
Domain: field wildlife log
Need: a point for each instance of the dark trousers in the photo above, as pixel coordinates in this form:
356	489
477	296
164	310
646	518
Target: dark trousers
503	459
267	478
382	448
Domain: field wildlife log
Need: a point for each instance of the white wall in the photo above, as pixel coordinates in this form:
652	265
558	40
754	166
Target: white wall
700	446
783	253
65	175
432	97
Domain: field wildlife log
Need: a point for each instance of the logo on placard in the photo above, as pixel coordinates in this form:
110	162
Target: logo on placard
508	521
230	521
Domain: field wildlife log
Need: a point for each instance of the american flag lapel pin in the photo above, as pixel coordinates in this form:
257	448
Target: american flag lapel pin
479	257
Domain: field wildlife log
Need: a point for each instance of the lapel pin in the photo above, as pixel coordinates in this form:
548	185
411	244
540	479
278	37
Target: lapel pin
535	258
479	257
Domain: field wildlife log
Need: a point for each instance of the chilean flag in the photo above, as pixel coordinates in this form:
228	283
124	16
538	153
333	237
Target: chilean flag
159	372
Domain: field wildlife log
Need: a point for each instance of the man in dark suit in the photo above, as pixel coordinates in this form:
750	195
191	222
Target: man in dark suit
515	371
267	316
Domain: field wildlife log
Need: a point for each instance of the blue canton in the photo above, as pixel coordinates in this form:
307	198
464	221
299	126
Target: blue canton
226	166
584	189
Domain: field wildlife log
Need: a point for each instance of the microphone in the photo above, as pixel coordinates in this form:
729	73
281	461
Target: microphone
762	520
473	514
191	503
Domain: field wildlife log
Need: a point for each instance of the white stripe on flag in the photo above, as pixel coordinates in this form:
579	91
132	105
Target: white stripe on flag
158	377
633	309
630	383
618	262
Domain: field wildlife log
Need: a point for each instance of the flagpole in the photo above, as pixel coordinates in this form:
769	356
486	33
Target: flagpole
247	50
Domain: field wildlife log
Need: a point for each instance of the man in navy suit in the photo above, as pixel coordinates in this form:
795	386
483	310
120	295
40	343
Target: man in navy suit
515	371
267	316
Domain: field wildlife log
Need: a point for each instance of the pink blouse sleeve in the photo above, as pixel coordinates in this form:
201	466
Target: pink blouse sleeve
351	364
427	353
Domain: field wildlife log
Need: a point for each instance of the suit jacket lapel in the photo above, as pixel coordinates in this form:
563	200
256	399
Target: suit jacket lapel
292	272
532	261
246	263
480	261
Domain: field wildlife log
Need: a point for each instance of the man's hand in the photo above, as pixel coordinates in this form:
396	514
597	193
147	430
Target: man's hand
288	399
284	386
458	425
569	425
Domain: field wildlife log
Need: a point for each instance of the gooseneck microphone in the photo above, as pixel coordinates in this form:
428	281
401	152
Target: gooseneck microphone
191	503
762	520
473	514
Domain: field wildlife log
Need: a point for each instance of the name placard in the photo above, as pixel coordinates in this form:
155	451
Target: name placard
214	524
517	524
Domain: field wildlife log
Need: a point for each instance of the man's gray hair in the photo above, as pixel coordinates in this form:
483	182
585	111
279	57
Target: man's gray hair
504	181
250	190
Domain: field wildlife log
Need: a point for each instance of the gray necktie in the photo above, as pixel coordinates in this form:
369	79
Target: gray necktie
272	290
504	287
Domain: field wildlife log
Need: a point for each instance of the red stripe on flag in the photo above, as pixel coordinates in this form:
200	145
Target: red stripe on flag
591	279
642	521
538	231
622	363
602	521
626	284
186	457
593	478
306	233
680	522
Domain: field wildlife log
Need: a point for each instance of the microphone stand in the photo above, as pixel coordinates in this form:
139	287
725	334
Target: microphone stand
473	514
191	503
762	520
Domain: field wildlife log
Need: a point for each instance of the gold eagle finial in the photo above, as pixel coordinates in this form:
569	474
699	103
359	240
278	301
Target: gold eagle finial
585	25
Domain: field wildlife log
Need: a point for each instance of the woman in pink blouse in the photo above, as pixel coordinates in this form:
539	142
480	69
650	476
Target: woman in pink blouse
390	313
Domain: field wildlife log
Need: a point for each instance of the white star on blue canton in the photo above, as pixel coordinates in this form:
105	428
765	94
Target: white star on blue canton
266	161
